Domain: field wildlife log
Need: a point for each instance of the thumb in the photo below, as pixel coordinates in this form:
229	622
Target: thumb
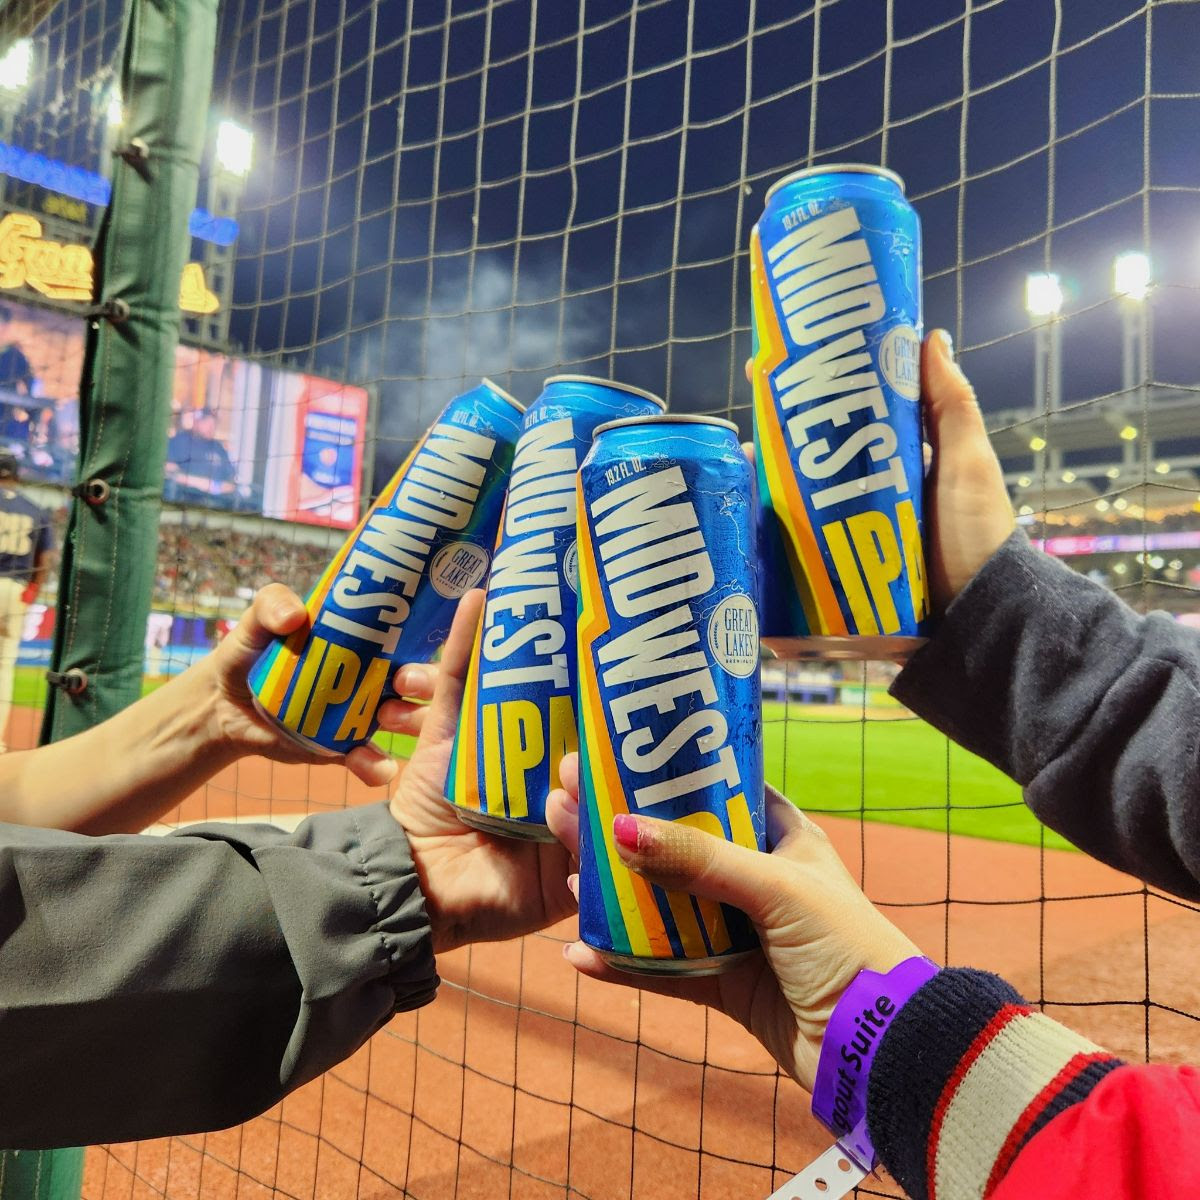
685	859
951	410
441	721
275	612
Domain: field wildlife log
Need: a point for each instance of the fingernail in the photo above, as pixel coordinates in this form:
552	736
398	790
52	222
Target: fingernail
570	803
625	831
947	343
282	612
573	886
410	679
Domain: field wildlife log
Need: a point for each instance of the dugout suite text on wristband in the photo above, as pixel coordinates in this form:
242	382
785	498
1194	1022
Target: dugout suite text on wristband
859	1020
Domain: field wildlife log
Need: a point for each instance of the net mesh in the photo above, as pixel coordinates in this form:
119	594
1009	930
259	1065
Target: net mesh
443	189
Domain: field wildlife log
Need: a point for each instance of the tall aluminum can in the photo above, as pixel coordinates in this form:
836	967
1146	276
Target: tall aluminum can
389	595
835	267
518	713
669	693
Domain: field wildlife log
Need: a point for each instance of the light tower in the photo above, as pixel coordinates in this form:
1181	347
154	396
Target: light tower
1043	303
1131	286
232	158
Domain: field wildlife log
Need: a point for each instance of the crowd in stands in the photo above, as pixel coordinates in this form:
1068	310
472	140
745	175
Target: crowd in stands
201	566
206	566
196	562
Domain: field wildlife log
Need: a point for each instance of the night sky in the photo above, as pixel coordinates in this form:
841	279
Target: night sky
441	191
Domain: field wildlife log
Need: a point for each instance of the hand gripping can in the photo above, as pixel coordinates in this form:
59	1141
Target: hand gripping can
389	595
835	267
670	710
518	714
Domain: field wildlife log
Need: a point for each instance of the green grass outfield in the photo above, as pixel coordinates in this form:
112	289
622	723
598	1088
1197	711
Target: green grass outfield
895	770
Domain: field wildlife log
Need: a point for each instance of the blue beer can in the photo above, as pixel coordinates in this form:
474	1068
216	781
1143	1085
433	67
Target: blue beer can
835	267
389	595
669	692
518	714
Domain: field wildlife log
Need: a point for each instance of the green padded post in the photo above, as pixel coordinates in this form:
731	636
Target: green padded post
110	550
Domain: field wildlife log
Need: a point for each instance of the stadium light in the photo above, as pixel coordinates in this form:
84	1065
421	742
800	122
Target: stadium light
1037	443
1043	294
1131	275
1113	472
235	148
1068	477
1162	468
1120	569
1102	506
16	66
115	112
1128	433
1025	511
1120	504
1024	481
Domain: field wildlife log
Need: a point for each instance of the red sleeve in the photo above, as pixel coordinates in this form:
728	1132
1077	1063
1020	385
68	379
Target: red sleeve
1137	1135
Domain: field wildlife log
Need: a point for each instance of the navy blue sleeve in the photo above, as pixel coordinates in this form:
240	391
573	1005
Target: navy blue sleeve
1092	708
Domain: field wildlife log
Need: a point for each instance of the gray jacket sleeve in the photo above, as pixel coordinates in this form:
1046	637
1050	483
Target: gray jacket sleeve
1093	709
151	986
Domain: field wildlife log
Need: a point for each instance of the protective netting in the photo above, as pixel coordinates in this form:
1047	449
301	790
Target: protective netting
447	188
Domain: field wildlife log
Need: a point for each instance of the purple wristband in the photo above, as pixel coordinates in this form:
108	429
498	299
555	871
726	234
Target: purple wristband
856	1027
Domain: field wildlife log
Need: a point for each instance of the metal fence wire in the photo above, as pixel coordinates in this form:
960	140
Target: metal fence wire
443	189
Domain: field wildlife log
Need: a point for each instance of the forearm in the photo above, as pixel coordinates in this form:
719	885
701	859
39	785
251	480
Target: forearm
154	986
1090	707
124	774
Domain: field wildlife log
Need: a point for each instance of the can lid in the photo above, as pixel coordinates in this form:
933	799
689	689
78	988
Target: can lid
503	394
665	419
608	383
837	169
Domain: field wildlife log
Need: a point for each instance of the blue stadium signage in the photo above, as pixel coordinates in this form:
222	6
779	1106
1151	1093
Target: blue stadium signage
79	184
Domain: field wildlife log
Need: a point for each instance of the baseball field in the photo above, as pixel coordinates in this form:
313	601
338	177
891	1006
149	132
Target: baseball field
829	760
523	1080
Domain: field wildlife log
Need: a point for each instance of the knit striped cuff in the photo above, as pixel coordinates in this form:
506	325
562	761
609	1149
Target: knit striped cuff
965	1076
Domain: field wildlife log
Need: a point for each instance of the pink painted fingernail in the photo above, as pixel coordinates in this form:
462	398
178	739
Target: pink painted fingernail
625	830
573	886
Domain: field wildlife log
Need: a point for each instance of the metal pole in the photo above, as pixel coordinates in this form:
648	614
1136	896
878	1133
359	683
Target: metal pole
1129	346
1054	363
1041	358
1054	374
1133	375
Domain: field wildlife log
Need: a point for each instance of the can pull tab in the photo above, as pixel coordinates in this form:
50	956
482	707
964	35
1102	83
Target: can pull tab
830	1177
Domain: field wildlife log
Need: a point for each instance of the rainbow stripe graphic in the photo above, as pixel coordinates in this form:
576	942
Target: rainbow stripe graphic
463	776
814	587
272	676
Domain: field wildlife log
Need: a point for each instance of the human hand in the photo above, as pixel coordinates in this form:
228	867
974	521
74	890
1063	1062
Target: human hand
817	928
477	887
240	729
